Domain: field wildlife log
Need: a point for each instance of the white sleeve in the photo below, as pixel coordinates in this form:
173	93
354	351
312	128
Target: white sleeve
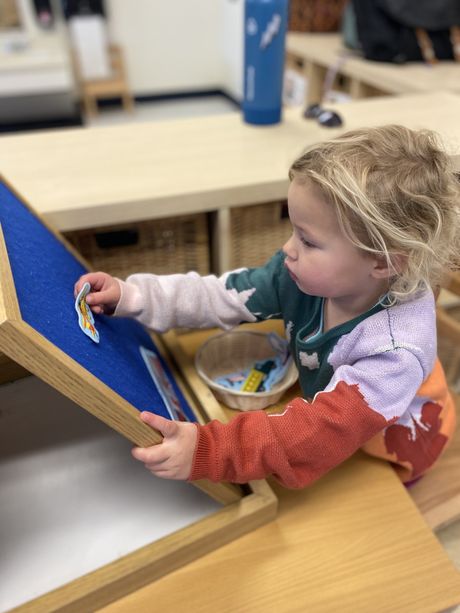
161	302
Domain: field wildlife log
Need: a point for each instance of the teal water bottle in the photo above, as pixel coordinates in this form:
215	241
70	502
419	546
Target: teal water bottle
265	25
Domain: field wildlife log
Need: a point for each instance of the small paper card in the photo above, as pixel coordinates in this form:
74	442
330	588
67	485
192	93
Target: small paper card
163	384
85	316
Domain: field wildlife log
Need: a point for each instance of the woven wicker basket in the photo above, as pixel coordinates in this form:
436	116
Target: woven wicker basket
256	232
162	246
231	351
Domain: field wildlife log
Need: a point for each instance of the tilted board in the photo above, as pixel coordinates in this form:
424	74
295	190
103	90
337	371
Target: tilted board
39	331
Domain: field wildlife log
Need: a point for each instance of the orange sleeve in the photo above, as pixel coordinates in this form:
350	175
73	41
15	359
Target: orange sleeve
297	447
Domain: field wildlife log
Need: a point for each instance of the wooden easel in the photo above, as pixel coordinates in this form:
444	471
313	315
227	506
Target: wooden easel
244	508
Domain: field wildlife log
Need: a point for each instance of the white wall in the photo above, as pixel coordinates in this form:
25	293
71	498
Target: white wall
231	46
169	46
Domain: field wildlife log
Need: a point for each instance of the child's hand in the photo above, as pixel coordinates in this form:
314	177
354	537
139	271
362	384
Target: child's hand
171	459
105	292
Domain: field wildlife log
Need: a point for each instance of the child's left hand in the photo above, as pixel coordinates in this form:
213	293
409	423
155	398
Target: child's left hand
171	459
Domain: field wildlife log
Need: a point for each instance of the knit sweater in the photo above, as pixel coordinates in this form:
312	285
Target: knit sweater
373	383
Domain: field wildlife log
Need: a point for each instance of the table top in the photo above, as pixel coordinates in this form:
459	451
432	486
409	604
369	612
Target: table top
328	50
89	177
353	541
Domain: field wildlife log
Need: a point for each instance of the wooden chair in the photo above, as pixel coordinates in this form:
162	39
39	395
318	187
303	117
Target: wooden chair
114	87
437	495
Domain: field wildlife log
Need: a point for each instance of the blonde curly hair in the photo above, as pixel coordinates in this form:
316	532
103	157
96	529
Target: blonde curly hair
396	194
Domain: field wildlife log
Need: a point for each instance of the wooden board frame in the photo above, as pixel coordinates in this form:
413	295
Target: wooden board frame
245	507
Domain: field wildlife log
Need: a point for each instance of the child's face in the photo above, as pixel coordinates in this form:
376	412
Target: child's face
320	258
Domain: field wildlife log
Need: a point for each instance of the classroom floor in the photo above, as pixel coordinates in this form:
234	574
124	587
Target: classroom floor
212	105
163	110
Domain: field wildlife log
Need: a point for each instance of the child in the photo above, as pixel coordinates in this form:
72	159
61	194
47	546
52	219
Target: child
375	217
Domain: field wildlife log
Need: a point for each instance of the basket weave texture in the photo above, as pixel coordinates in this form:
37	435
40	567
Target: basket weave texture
160	246
235	350
256	232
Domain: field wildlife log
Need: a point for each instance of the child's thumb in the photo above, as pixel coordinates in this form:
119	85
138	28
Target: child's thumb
166	427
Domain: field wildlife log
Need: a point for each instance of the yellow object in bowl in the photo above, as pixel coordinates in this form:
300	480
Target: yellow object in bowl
237	350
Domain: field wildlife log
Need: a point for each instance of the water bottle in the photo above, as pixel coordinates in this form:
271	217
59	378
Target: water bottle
265	23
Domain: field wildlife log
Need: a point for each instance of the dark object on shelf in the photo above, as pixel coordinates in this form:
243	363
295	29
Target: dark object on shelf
312	111
330	119
413	30
325	117
72	8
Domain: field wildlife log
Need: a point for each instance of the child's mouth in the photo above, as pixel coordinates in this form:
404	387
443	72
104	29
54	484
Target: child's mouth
291	274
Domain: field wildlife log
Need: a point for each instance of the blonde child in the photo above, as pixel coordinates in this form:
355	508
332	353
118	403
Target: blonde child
375	218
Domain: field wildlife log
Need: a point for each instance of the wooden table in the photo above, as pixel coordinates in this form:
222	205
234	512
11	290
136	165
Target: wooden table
89	177
354	541
319	52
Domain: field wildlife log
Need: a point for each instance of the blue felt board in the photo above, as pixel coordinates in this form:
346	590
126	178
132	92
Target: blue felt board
45	273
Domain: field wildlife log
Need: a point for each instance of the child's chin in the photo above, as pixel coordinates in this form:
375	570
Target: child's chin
307	290
302	287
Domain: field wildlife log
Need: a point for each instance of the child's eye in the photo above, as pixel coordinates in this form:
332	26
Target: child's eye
306	242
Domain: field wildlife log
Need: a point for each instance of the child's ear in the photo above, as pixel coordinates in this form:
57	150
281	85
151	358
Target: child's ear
384	269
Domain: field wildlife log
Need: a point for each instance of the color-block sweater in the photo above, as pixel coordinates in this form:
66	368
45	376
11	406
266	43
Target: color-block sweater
373	383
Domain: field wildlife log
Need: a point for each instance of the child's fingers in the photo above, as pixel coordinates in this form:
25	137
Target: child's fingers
95	279
150	456
165	474
99	298
157	462
77	287
81	281
166	427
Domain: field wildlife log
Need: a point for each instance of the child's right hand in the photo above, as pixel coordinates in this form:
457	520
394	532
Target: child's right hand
105	292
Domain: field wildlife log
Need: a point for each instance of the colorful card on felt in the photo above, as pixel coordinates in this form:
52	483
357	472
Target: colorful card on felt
163	384
85	316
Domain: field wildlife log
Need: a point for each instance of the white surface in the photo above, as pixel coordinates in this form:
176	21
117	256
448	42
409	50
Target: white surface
41	81
169	46
72	498
173	46
231	46
90	42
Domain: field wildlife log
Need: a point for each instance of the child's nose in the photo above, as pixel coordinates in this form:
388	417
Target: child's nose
289	248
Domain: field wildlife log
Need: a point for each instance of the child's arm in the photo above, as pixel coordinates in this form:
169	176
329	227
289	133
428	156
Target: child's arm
297	447
309	438
162	302
290	446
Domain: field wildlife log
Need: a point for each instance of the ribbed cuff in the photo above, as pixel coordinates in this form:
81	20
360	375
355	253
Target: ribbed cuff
205	464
